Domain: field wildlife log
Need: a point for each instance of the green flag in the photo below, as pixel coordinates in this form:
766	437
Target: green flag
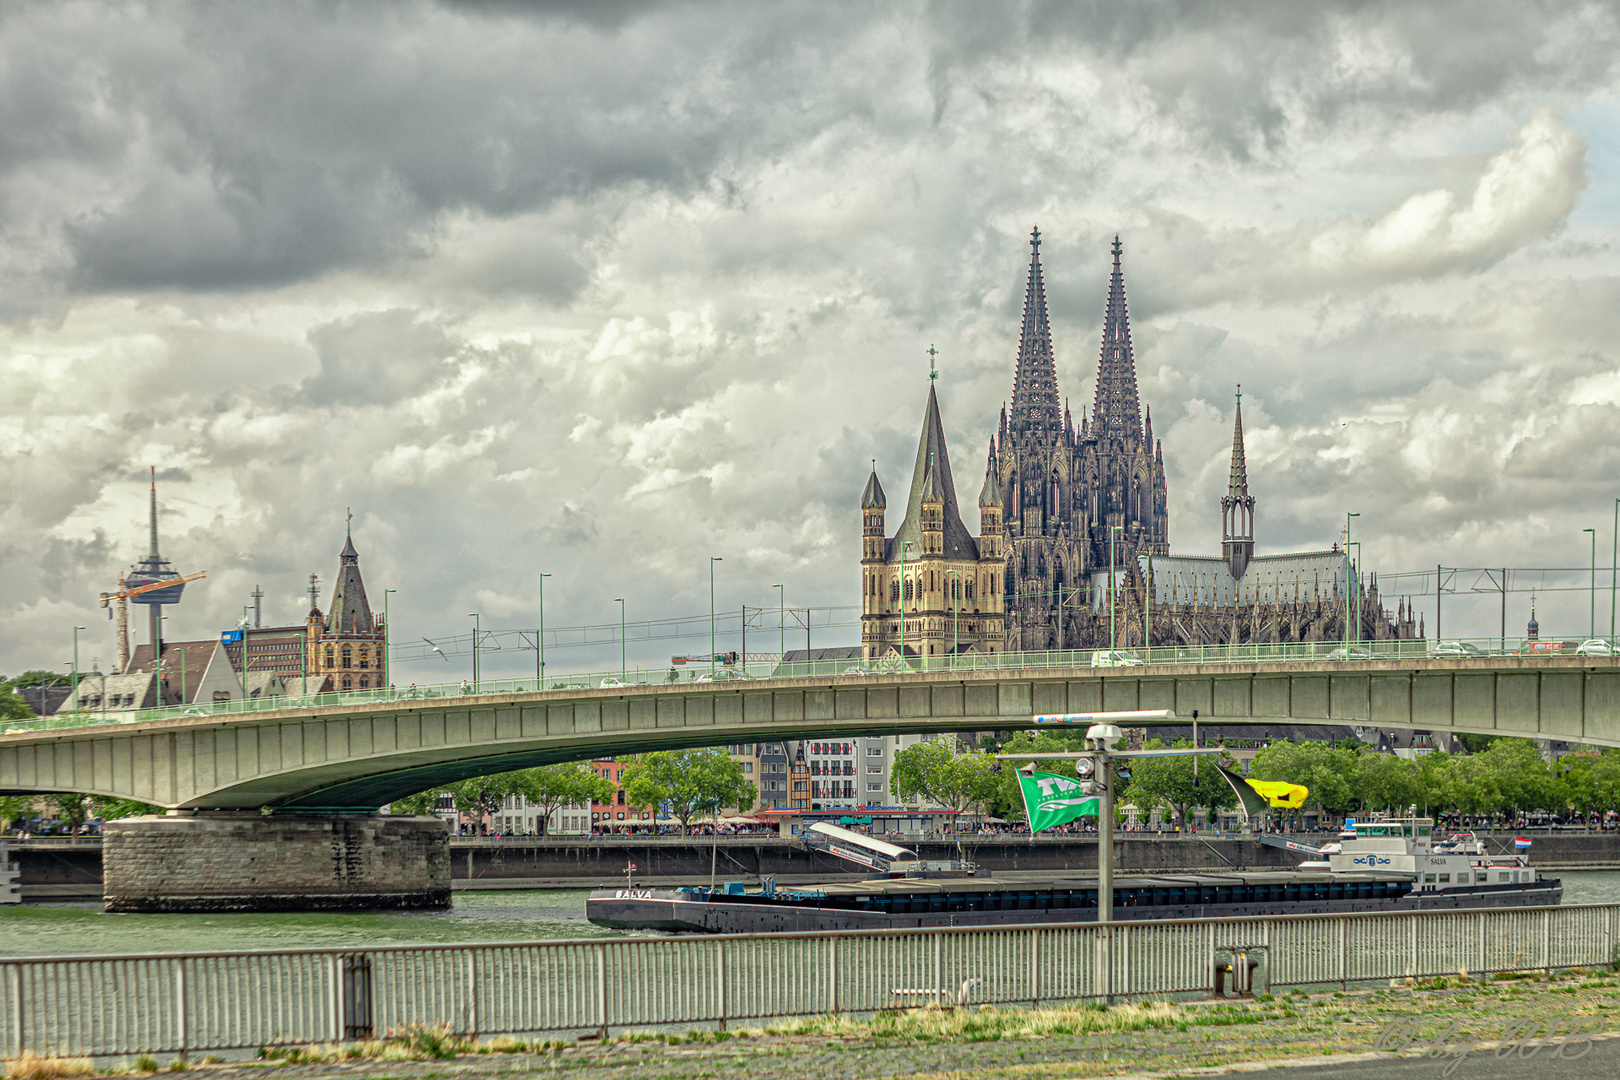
1050	799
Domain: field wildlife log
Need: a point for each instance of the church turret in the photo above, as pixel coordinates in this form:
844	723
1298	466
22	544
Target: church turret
1237	507
348	644
990	509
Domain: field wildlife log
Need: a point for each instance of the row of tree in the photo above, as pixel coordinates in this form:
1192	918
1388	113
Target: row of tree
687	785
1506	778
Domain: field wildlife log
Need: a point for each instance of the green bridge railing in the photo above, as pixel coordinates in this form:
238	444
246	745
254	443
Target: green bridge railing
699	674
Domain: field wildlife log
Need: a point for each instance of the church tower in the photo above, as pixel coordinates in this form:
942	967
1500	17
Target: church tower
347	644
925	586
1237	506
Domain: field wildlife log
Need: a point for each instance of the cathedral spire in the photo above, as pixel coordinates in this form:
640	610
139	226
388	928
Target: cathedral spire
1116	410
1035	393
1237	507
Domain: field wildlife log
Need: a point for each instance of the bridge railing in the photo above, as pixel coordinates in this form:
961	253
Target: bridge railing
205	1002
1097	659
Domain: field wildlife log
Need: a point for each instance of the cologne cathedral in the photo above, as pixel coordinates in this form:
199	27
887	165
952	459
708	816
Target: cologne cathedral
1073	549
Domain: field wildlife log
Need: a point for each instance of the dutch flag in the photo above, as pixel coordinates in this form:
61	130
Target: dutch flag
1521	843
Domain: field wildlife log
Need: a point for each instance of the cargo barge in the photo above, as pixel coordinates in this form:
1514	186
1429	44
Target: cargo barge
1390	865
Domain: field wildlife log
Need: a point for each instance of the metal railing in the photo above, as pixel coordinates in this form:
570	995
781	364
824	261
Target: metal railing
1099	659
112	1005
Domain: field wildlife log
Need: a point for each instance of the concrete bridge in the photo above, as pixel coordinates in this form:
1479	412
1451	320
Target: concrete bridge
274	810
354	758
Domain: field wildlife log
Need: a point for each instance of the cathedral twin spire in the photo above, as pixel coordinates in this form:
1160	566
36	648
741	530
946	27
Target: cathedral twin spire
1035	392
1116	409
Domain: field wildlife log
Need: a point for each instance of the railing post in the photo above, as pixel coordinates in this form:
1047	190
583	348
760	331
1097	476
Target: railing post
14	978
335	1009
1483	920
1414	917
601	990
1546	942
832	974
180	1007
1035	969
1344	953
472	994
939	970
720	979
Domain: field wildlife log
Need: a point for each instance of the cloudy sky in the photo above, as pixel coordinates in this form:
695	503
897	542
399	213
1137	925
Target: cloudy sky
603	290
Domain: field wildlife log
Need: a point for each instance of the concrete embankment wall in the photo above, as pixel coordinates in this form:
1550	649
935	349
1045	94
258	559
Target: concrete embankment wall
53	870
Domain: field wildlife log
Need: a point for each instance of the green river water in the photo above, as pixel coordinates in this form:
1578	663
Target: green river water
80	927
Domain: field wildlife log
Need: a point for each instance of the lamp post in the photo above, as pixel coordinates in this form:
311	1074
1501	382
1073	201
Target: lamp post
781	624
540	640
1349	585
388	660
712	646
956	614
624	668
1356	562
1591	629
473	615
1614	567
76	630
905	547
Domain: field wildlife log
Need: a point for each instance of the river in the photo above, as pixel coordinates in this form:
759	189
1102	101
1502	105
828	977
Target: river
63	928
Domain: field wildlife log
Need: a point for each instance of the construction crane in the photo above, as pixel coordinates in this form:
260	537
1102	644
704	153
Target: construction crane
122	596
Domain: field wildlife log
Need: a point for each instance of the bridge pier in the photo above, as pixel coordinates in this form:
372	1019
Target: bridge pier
247	861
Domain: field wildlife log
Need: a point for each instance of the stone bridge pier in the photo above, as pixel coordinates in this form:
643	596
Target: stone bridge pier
247	861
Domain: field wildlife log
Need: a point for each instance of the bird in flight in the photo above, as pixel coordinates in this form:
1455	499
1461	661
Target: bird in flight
438	650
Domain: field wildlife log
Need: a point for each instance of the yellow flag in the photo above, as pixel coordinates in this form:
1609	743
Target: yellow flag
1279	794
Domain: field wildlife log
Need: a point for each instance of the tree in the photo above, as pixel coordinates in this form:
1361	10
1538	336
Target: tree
481	796
1328	771
12	705
113	809
1008	798
945	773
72	809
422	804
1169	781
552	787
13	807
37	677
691	783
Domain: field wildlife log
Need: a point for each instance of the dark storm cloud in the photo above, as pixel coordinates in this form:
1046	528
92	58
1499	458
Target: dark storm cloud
603	290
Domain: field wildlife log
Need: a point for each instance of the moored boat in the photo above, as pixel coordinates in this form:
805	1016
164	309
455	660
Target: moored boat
1389	866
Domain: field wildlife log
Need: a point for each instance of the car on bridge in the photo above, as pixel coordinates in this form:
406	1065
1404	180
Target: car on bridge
1115	658
1349	652
1595	647
1457	649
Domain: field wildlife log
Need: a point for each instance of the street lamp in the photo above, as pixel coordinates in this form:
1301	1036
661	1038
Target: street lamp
624	668
1356	562
1591	630
1349	585
540	640
1614	567
76	630
781	623
473	615
712	646
387	659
